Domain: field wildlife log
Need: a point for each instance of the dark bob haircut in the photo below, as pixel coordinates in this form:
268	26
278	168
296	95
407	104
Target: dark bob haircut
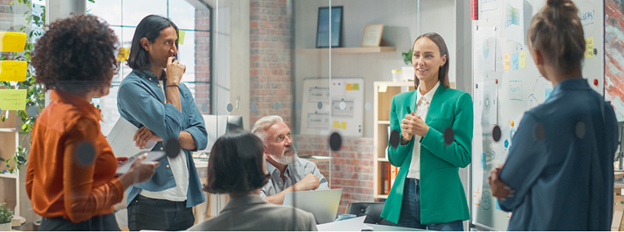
76	54
150	28
235	164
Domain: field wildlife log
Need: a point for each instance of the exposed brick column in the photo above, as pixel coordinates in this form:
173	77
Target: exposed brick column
270	75
351	169
202	60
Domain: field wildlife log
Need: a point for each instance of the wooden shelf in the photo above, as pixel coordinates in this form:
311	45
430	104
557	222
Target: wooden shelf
383	160
383	122
381	196
346	50
9	176
8	130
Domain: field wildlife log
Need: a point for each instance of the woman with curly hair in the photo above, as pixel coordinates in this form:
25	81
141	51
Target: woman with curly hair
70	177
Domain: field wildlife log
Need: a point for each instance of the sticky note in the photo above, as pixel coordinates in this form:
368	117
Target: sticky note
13	41
522	62
515	61
507	61
589	47
343	125
383	88
13	99
356	86
181	34
13	70
336	124
123	53
512	123
349	87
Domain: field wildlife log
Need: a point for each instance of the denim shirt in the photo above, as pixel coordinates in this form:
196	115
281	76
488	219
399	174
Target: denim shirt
294	173
141	101
562	174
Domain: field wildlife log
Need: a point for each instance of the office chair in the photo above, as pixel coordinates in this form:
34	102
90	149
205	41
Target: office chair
372	210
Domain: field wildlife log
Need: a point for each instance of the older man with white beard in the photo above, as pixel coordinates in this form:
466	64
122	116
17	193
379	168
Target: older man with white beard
288	172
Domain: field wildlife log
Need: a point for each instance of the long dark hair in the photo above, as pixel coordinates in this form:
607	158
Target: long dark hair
444	70
150	28
235	164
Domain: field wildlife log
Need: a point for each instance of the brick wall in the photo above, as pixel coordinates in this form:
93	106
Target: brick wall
351	169
202	60
270	73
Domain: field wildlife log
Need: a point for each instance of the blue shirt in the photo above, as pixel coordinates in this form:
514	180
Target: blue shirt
294	173
560	163
141	101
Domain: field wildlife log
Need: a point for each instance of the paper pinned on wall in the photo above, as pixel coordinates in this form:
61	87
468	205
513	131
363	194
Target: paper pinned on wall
478	98
336	124
507	61
349	87
589	47
485	46
13	70
13	99
122	54
356	86
522	62
343	125
515	61
383	88
13	41
513	20
490	103
181	35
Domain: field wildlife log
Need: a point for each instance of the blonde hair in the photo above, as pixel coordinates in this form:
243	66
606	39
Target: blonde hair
259	128
556	31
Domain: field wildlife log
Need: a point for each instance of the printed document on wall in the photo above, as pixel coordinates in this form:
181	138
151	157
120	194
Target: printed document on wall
485	49
513	20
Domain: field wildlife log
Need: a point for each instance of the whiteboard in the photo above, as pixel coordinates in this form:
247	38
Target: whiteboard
344	114
506	83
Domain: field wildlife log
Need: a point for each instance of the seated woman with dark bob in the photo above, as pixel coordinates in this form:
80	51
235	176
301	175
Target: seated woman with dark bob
236	166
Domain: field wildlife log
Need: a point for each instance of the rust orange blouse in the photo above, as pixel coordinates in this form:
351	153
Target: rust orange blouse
58	180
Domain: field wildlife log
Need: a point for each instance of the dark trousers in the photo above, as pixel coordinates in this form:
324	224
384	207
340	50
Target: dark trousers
410	210
102	222
153	214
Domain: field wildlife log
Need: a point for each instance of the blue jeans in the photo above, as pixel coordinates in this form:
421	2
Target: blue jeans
410	211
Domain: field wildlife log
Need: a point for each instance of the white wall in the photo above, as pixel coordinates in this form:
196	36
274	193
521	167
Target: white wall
400	19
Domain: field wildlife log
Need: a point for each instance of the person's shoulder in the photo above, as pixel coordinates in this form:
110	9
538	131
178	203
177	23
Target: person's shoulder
306	163
456	94
134	78
404	96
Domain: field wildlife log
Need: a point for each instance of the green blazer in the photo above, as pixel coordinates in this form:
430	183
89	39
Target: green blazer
442	197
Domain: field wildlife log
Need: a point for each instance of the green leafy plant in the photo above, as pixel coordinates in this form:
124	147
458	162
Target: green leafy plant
35	92
407	57
6	215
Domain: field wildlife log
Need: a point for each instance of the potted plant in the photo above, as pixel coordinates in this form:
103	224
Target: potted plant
6	217
408	71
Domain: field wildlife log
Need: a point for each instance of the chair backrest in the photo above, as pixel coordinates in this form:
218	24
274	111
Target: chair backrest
372	210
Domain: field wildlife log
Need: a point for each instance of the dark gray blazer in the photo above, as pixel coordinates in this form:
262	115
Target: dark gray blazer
253	213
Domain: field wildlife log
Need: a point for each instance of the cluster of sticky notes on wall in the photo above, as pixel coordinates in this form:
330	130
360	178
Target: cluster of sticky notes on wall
122	54
514	61
340	125
589	47
352	87
13	70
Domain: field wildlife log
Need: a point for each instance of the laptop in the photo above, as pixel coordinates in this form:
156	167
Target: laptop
323	204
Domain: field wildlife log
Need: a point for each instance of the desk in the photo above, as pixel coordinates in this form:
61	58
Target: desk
377	227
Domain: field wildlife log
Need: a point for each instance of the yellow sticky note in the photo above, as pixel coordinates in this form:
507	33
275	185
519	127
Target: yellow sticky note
522	60
13	41
13	99
507	61
123	53
349	87
13	70
336	124
343	125
356	86
589	47
181	34
383	88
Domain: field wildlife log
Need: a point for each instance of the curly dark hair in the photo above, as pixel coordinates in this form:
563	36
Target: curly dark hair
76	54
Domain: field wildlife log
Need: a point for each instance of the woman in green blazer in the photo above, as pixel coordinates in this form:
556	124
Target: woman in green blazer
427	192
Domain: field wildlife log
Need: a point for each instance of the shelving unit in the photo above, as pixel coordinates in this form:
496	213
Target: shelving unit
9	183
382	104
346	50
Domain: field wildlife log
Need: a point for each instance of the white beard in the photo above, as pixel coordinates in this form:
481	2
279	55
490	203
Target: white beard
284	159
